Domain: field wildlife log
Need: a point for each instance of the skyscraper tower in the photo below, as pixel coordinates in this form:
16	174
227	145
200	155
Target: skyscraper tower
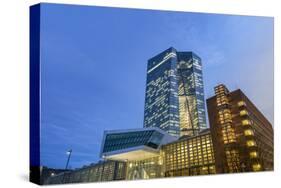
174	98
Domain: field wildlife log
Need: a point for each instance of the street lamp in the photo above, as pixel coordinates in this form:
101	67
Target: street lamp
68	158
69	155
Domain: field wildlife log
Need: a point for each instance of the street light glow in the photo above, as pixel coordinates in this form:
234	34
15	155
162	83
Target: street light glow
68	152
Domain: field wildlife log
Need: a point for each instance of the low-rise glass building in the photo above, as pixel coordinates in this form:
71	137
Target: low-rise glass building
134	144
190	155
102	171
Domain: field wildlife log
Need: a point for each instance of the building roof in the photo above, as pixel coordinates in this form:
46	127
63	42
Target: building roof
134	144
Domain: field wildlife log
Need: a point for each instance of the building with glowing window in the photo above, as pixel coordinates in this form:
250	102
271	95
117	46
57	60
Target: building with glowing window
174	98
189	156
242	136
153	153
175	141
101	171
139	148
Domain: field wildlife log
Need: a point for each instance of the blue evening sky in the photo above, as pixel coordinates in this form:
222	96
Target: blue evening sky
93	74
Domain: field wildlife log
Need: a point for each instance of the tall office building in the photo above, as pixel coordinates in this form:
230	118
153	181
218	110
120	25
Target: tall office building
174	98
242	136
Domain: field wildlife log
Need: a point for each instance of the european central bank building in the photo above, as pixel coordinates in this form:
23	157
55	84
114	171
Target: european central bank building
174	97
175	140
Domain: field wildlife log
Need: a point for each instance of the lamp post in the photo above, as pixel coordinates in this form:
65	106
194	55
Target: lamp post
69	155
67	162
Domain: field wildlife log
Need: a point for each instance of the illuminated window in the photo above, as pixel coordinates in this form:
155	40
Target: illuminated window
253	154
241	103
248	132
243	112
256	167
251	143
246	122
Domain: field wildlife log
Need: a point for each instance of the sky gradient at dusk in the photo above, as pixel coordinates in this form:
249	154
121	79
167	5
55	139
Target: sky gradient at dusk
93	68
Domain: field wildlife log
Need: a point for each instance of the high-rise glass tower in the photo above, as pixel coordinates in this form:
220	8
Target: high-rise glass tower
174	98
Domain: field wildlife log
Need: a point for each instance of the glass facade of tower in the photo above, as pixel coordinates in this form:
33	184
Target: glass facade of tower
174	99
161	102
191	94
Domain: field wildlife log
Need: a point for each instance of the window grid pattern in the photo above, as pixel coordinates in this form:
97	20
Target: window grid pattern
191	156
118	141
145	169
232	159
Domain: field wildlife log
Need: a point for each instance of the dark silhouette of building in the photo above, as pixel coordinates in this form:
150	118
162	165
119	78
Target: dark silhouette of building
49	172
